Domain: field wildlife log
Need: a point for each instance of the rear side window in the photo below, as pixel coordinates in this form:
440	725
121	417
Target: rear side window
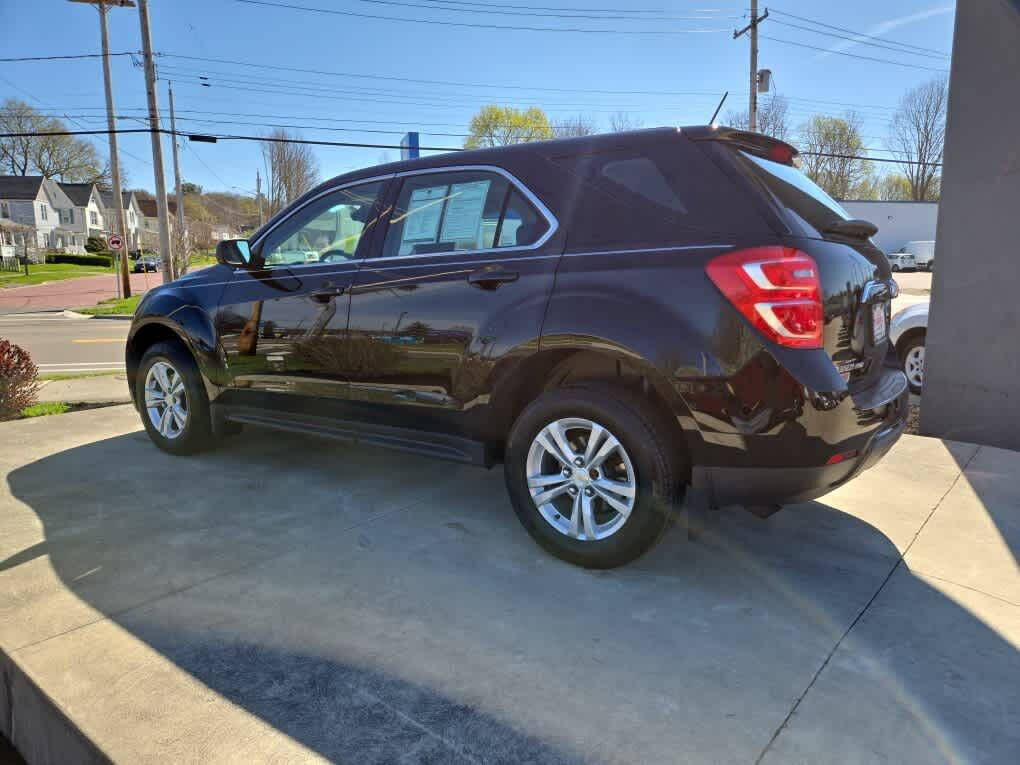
457	211
641	176
652	195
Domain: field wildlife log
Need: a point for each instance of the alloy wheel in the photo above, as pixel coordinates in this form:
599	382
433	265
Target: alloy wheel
913	366
166	401
581	479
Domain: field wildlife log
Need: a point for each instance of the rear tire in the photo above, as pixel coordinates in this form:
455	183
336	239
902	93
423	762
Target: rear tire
172	400
643	466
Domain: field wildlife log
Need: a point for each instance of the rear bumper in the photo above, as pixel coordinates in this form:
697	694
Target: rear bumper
788	485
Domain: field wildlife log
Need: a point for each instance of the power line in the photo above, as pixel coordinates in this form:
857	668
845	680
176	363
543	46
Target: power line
559	13
470	25
852	55
548	8
893	48
348	144
64	58
420	81
858	34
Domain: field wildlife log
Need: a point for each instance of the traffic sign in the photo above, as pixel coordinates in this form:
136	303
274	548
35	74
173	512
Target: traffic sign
115	242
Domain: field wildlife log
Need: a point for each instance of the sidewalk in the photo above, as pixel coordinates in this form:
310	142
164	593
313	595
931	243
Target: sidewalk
289	599
101	389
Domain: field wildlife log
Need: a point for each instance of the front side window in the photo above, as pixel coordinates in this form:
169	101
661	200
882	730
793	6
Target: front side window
42	212
5	210
93	218
463	210
332	229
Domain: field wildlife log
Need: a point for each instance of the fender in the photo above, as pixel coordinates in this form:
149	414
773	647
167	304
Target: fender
166	314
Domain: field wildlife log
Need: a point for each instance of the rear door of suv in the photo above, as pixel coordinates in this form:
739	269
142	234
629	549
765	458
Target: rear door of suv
460	284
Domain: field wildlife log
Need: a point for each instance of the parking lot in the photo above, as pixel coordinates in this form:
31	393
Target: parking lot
286	599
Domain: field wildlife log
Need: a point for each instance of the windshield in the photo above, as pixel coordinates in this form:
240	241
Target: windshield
796	194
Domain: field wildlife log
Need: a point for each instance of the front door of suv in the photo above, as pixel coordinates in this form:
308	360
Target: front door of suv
461	283
282	320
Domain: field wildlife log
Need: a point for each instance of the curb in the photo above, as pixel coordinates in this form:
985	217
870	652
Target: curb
75	315
34	723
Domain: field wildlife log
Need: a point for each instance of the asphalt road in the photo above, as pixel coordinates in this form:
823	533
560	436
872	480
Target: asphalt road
60	344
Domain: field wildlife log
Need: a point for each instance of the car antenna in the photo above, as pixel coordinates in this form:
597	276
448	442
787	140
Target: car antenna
716	112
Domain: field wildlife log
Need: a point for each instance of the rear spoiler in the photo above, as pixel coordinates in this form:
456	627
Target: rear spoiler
757	144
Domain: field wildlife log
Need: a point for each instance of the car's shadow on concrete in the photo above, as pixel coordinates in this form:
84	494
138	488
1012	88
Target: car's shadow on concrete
376	607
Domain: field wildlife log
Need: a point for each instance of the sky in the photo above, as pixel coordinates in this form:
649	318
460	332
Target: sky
663	62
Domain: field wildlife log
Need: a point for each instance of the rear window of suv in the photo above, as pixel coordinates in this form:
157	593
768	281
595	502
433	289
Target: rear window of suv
804	203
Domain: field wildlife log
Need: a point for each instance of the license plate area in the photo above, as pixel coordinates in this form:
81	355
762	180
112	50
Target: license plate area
879	331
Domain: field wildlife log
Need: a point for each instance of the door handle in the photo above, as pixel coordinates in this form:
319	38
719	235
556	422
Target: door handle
328	290
490	277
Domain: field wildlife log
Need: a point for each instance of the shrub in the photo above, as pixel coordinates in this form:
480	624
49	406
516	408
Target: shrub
18	386
95	244
80	260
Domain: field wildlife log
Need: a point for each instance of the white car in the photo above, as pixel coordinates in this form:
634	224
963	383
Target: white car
907	332
901	261
923	253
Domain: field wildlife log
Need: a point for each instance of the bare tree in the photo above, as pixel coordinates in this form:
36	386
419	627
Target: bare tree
291	169
830	155
772	118
62	157
582	124
621	122
918	133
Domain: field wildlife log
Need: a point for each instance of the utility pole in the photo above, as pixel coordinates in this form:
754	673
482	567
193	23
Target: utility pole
157	148
123	279
182	232
752	104
258	194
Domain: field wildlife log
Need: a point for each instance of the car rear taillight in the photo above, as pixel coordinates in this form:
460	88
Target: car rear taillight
776	289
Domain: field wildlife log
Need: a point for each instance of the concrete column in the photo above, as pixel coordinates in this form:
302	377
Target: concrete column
972	370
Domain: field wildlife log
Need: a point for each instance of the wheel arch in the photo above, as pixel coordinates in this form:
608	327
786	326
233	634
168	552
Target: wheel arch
907	336
187	325
556	367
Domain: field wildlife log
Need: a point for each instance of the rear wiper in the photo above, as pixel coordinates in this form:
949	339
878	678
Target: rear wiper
858	229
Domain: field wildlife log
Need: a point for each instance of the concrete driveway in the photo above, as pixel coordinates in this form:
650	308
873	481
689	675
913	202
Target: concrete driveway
288	599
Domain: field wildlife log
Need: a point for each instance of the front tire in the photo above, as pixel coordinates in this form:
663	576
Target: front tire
912	356
172	400
592	474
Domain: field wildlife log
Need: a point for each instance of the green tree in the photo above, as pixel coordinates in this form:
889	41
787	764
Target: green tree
831	149
894	187
504	125
187	187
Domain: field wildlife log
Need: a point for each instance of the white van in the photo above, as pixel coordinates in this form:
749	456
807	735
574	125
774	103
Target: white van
923	252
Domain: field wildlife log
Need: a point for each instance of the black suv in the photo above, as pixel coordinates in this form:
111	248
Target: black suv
620	319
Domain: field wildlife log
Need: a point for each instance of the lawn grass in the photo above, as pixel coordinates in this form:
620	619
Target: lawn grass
44	409
49	272
119	306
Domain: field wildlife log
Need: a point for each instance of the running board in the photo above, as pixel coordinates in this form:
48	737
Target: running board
441	445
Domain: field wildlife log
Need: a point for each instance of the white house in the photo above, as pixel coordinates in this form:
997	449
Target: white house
132	218
32	200
87	217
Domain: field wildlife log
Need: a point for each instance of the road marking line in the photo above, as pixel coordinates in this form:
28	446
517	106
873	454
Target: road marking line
100	340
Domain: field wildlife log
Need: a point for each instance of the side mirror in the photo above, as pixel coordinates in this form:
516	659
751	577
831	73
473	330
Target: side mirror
233	252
